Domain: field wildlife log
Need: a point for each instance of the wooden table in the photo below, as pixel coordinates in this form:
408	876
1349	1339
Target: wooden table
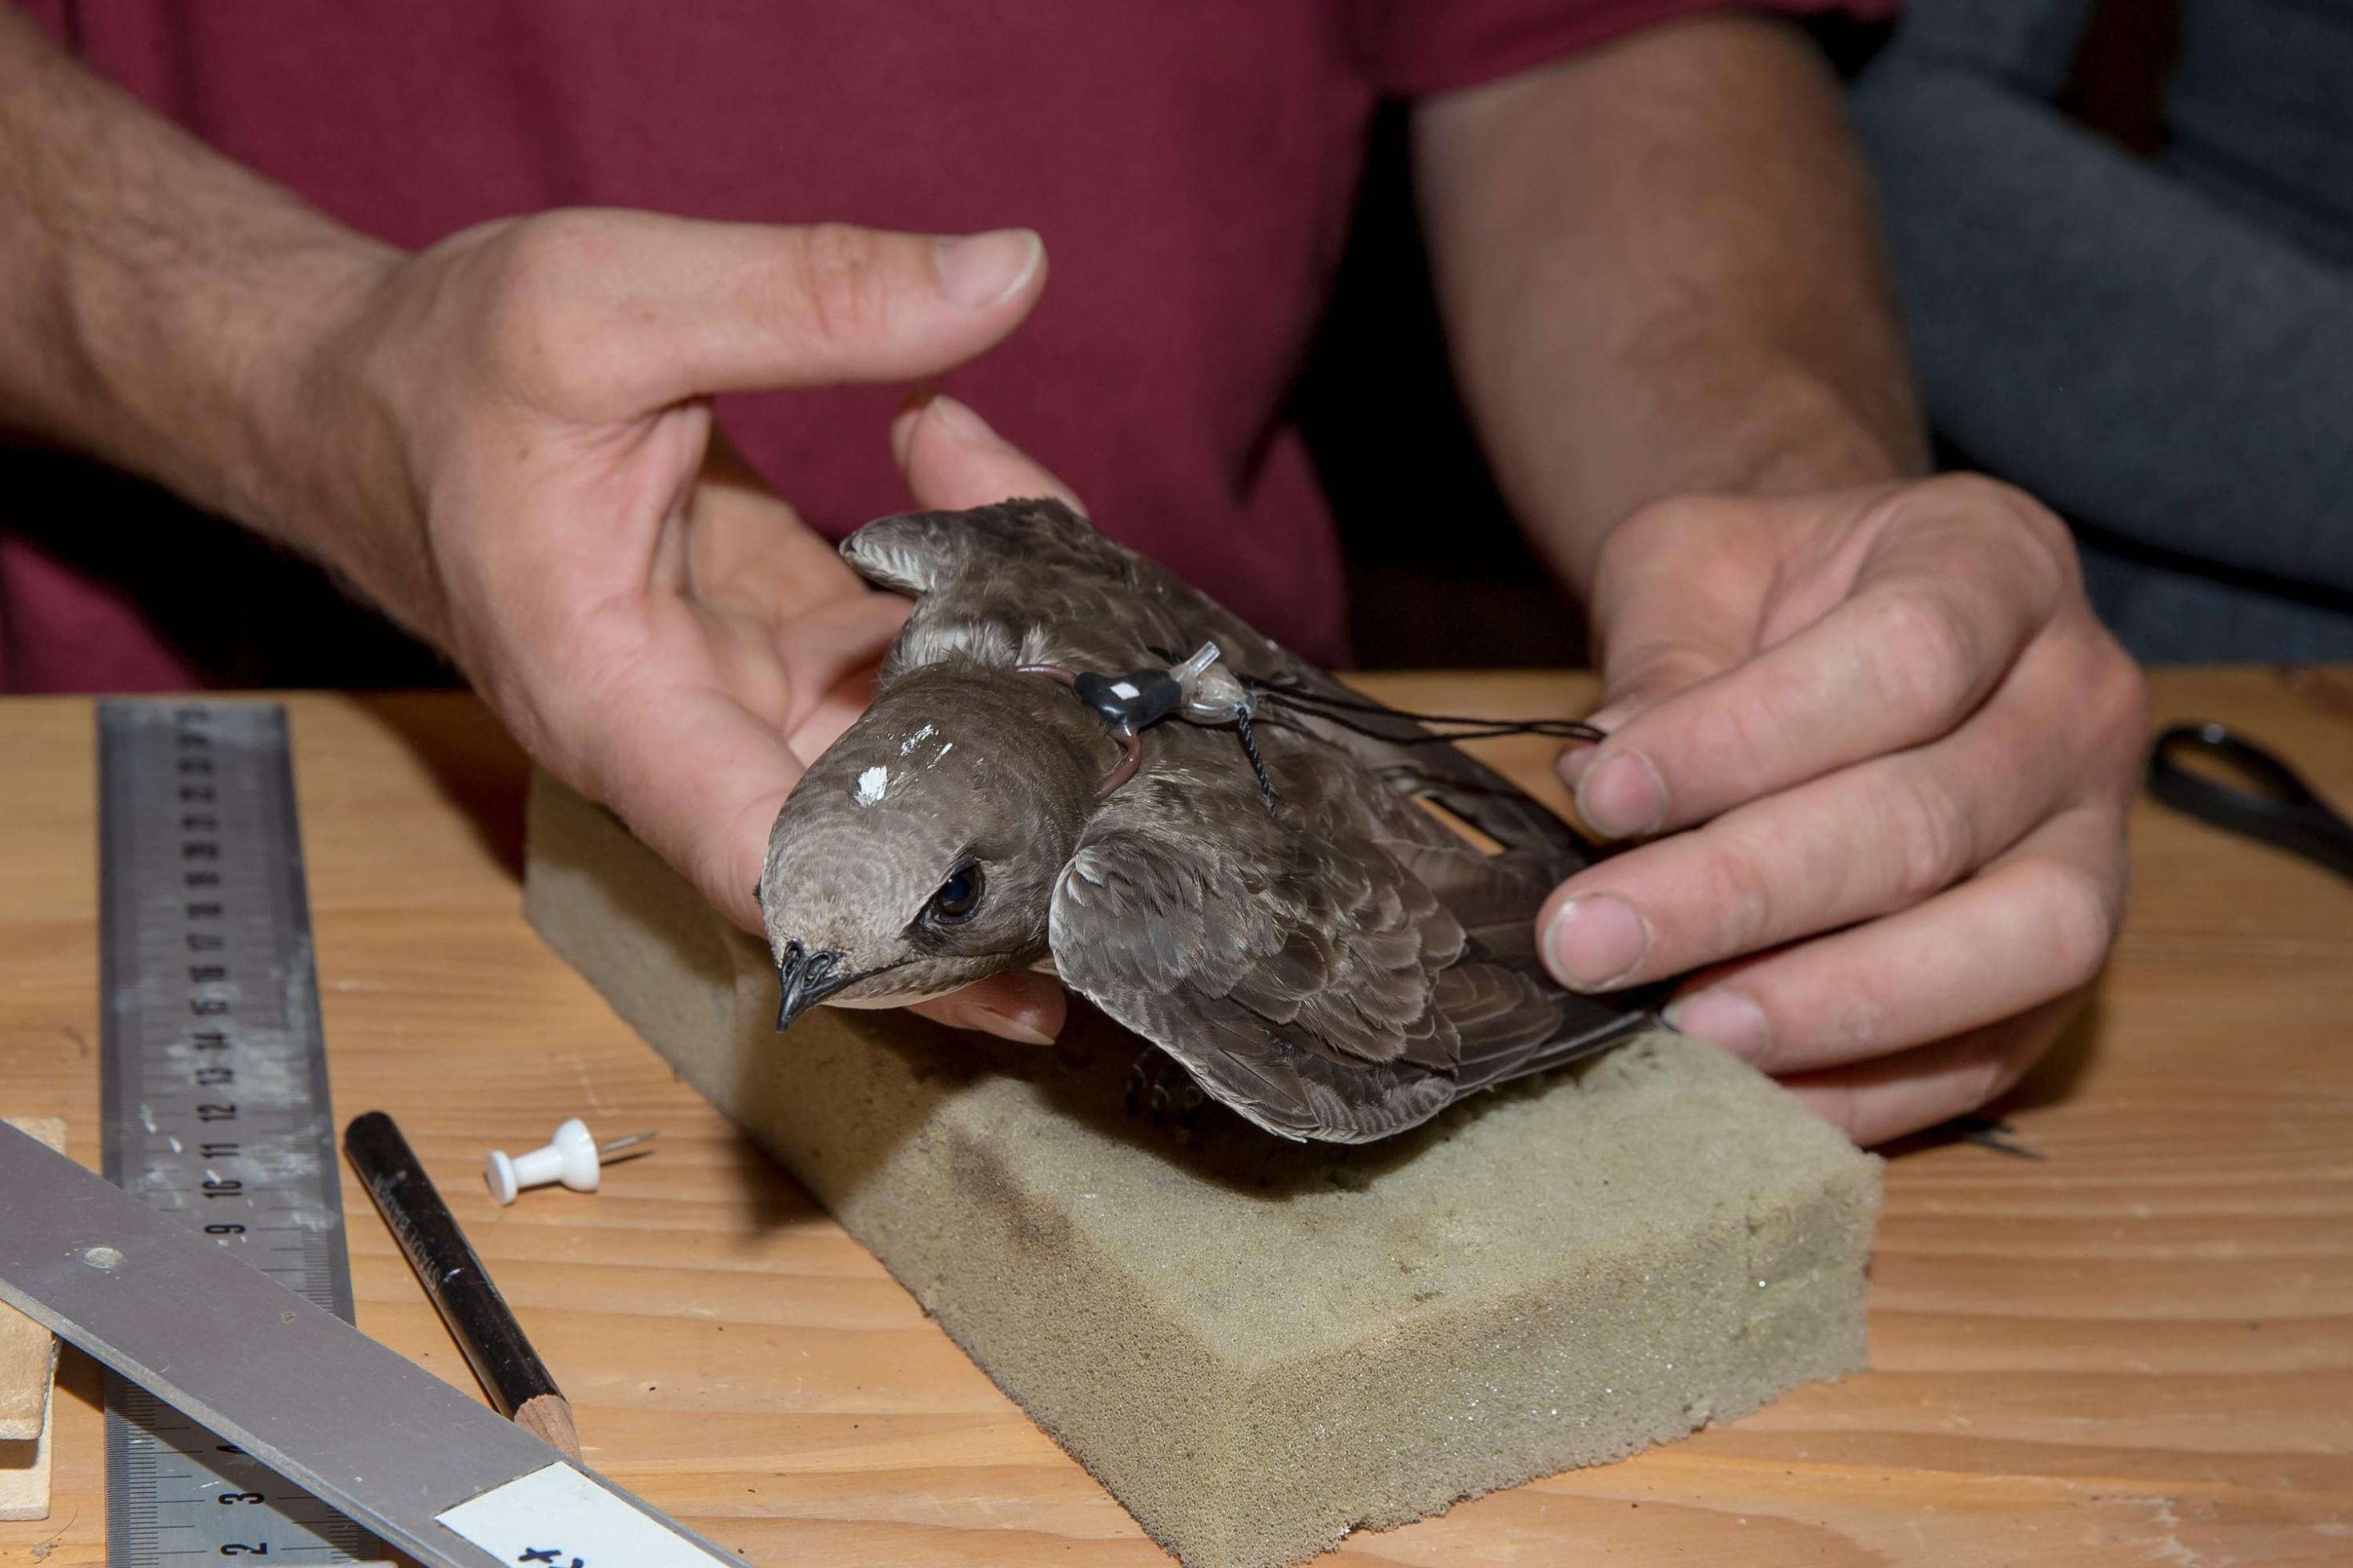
2138	1350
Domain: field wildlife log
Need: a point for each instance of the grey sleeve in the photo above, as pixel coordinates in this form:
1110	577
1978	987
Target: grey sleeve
2028	45
2095	330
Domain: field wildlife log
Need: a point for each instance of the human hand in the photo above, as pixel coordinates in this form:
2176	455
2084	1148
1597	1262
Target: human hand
551	505
1887	749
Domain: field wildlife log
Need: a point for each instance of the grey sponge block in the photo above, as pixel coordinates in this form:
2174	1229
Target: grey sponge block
1258	1346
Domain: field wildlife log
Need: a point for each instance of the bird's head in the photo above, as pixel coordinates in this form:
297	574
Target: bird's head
919	852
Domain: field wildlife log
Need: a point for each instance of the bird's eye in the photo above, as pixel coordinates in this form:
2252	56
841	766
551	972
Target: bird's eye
958	897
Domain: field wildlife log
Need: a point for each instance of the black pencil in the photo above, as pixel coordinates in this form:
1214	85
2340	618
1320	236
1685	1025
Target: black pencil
510	1372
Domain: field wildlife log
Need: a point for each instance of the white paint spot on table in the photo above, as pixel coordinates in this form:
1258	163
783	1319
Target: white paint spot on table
872	784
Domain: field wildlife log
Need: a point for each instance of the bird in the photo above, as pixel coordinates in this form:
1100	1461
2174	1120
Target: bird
1230	853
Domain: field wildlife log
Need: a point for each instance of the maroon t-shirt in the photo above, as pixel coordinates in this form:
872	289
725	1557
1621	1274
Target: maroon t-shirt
1191	163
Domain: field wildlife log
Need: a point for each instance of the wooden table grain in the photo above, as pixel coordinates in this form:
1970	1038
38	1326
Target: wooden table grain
2137	1350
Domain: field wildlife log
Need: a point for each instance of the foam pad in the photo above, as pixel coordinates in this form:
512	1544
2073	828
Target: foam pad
1258	1346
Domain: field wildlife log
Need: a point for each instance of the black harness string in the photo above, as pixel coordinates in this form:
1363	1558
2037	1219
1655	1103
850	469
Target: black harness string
1335	709
1128	704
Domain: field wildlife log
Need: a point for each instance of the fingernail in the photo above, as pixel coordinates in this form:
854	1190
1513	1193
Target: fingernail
1007	1026
1622	797
1571	763
1724	1017
959	421
1609	715
1596	941
983	269
902	423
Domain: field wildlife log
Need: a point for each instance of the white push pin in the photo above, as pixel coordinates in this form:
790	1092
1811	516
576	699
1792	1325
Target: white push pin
573	1158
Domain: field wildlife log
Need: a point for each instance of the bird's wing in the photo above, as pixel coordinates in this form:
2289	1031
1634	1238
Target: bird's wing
1310	982
1031	582
921	552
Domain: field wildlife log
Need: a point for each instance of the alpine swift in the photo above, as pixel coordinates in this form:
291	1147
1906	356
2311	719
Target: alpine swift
1076	761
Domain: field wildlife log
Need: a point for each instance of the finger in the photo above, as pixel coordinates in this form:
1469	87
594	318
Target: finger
630	310
1668	614
833	654
748	549
694	774
2035	924
1952	587
1030	1009
1865	841
951	460
1876	1101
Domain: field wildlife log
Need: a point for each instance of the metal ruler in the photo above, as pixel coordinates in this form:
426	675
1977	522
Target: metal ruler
246	1417
215	1092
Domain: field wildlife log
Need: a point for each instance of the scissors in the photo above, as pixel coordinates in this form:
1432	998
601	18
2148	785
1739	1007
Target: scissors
2279	808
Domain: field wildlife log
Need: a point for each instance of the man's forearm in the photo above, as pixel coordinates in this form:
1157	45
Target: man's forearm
1661	274
157	303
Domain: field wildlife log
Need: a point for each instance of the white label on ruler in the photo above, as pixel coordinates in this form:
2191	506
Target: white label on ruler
558	1517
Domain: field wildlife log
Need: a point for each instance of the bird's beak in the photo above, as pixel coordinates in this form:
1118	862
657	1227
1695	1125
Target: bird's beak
806	979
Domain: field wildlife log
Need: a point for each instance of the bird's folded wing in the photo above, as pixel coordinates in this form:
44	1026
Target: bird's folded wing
1298	979
1031	582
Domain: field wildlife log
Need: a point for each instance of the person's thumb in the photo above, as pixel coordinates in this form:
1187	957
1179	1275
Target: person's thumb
673	309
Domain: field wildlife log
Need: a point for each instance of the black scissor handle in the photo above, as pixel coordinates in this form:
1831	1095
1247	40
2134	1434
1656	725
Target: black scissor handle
2279	808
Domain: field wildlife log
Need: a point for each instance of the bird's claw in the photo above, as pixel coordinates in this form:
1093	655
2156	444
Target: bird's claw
1166	1095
